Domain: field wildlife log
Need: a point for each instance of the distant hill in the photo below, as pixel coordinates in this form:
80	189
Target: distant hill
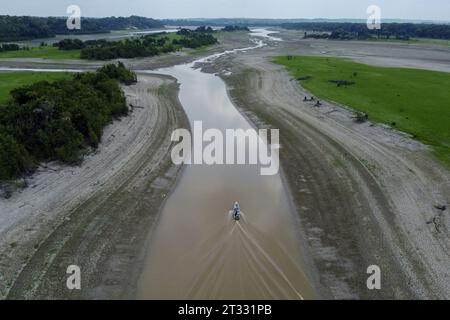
15	28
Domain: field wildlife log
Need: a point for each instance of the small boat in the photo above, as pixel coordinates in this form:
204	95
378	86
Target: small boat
236	211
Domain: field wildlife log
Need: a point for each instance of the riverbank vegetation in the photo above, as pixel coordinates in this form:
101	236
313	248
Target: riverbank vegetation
148	45
235	28
42	52
59	120
359	31
344	35
17	28
9	47
12	80
133	47
411	100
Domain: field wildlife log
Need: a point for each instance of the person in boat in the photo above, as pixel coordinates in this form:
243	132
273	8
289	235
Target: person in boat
236	211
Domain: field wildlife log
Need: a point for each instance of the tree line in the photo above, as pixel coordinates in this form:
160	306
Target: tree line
235	28
9	47
405	31
145	46
60	120
16	28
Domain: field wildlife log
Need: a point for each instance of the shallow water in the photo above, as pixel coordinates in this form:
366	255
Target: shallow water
197	250
264	33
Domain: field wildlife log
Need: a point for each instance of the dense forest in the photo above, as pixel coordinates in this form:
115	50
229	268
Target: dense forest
360	31
145	46
16	28
58	121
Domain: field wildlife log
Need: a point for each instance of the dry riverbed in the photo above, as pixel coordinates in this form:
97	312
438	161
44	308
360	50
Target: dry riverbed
97	215
365	194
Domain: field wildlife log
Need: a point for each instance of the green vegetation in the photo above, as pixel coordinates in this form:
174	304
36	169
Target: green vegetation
15	28
119	72
195	38
9	47
144	46
347	30
414	101
58	120
70	44
45	52
12	80
235	28
344	35
148	45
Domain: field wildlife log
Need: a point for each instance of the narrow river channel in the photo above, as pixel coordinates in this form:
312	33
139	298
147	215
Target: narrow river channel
197	250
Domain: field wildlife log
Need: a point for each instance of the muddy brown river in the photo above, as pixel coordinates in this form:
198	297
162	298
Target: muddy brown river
197	251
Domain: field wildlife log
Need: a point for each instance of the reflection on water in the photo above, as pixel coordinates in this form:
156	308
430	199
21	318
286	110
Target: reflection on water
197	250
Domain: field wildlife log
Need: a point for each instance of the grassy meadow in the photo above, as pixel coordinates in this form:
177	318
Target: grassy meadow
46	52
411	100
12	80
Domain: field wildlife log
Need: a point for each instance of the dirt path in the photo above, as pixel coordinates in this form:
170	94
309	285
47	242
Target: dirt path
98	215
365	194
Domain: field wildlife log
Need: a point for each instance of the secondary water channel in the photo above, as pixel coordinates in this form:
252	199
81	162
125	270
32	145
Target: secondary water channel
197	251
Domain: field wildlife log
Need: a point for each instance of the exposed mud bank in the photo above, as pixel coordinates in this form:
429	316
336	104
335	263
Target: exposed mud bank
364	194
98	215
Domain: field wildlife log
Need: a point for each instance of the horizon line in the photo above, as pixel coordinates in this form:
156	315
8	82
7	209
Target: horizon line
225	18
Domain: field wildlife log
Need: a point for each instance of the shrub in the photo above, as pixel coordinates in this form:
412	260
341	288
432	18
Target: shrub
14	160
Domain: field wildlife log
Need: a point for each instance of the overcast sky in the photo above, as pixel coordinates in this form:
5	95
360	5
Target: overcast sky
353	9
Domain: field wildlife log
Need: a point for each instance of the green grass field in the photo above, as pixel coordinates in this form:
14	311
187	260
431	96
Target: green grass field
12	80
47	52
413	101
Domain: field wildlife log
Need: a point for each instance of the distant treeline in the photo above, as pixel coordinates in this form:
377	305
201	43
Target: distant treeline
235	28
195	38
360	30
16	28
9	47
57	121
221	22
145	46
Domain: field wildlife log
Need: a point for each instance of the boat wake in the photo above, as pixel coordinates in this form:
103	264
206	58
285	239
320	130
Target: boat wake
240	251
